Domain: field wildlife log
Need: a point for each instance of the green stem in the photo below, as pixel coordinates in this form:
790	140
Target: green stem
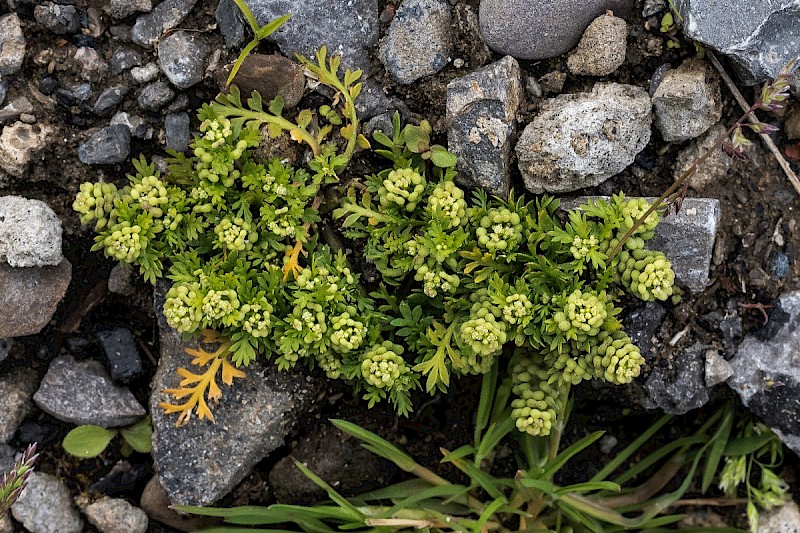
266	118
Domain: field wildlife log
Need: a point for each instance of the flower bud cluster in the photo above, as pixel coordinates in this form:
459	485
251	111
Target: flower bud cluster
151	193
95	201
402	187
383	365
615	358
499	231
233	234
447	204
348	333
124	242
537	401
647	274
182	307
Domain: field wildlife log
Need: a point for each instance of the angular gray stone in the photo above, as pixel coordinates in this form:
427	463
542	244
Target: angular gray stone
713	169
718	369
182	57
120	9
16	389
418	42
19	142
155	96
198	463
107	146
581	140
759	37
601	50
231	23
783	519
30	297
115	515
166	15
57	18
45	506
766	373
643	325
687	239
687	101
678	386
30	233
145	74
81	392
372	101
123	59
12	45
15	108
481	111
109	99
91	66
349	30
541	29
272	75
178	135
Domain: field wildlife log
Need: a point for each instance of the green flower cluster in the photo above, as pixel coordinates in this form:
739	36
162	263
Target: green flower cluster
537	401
647	274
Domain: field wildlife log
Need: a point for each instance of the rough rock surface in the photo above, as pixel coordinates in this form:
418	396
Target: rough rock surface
57	18
687	101
766	373
271	75
182	56
114	515
678	386
541	29
45	506
12	45
759	37
107	146
350	30
231	23
581	140
122	354
81	392
783	519
16	389
166	15
643	325
418	41
714	169
718	369
481	110
19	142
601	50
5	348
198	463
120	9
177	131
30	233
30	297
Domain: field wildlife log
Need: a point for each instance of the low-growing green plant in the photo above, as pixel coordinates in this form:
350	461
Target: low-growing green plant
259	33
637	490
90	441
14	482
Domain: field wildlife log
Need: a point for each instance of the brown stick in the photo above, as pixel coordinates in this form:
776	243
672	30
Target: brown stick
753	119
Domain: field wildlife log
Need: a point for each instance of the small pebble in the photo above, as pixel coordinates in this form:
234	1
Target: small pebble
144	74
780	265
27	118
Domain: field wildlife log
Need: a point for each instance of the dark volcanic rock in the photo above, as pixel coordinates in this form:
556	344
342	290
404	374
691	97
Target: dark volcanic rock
122	354
30	297
182	56
107	146
164	17
679	386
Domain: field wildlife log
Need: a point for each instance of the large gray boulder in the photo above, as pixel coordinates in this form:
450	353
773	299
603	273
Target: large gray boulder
581	140
759	37
30	297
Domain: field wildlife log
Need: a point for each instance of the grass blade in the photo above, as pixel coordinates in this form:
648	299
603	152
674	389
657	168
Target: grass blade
718	443
629	450
561	459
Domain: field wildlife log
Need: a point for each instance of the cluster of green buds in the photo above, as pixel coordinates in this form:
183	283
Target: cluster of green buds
571	366
348	333
151	193
484	334
124	242
221	306
647	274
499	231
234	234
581	247
95	201
517	308
402	187
615	358
434	281
583	314
632	210
537	400
217	150
447	204
383	366
182	307
257	318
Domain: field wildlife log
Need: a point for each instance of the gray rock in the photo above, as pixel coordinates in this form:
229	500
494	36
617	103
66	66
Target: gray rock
601	50
144	74
155	96
114	515
372	101
15	108
91	66
109	145
231	23
350	30
166	15
109	99
780	265
81	392
678	386
177	130
687	102
643	325
122	354
5	348
12	45
7	457
30	233
481	110
272	75
57	18
766	373
136	125
759	37
45	506
30	297
123	59
200	462
651	7
156	503
16	388
418	42
783	519
469	36
3	90
718	369
19	142
337	458
581	140
687	239
543	29
382	123
6	525
713	169
81	92
120	9
120	280
182	57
